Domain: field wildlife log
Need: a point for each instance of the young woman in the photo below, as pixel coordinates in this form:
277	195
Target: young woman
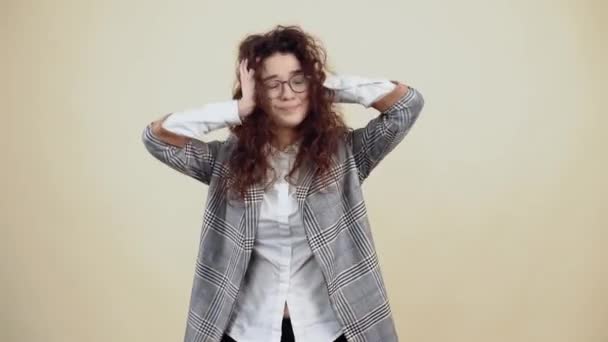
286	251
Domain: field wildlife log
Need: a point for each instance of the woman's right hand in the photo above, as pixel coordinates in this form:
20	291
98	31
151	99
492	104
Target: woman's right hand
246	103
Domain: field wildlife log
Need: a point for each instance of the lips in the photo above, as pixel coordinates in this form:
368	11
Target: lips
289	108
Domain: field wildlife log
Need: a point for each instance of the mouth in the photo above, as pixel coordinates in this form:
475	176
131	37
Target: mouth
289	108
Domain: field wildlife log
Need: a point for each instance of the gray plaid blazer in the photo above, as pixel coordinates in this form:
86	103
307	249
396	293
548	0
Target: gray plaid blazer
335	221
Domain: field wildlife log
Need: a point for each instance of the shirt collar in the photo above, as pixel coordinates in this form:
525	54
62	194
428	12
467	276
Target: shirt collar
290	149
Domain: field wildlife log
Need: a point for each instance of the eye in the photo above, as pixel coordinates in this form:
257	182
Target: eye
273	85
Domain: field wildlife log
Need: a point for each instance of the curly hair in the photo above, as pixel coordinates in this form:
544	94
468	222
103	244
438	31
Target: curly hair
321	130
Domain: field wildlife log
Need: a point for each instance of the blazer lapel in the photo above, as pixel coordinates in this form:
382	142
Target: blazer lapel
255	195
305	179
253	200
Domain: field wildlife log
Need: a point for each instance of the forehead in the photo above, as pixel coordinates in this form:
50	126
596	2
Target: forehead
280	64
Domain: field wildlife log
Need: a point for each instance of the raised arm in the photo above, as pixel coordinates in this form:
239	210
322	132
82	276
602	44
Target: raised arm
176	139
399	110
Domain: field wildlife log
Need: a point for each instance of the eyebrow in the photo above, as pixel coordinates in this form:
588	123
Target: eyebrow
297	71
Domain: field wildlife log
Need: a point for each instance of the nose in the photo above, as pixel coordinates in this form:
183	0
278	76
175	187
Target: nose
286	92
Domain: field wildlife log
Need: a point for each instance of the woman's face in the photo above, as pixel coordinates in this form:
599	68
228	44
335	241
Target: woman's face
288	107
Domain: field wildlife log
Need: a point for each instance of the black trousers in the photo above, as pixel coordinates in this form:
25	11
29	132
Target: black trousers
286	335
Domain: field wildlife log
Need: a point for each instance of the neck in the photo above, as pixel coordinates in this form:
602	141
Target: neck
284	137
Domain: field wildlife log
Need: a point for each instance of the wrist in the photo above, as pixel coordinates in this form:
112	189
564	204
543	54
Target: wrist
245	107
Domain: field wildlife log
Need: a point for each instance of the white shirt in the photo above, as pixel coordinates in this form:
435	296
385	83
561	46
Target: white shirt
283	271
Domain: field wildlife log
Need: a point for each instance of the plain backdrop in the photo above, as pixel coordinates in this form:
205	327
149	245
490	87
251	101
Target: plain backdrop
489	218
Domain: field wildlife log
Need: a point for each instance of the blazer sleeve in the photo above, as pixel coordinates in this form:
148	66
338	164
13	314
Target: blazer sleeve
399	110
197	157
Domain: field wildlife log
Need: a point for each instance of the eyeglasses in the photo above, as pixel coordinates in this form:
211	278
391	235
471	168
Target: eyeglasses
297	83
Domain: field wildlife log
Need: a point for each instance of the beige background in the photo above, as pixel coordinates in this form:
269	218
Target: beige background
489	219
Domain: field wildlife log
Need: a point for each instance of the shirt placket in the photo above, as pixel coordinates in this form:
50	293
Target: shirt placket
284	230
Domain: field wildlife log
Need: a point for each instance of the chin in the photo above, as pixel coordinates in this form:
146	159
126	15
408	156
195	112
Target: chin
291	119
291	123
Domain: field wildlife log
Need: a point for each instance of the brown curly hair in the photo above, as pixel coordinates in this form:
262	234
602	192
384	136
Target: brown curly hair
321	130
